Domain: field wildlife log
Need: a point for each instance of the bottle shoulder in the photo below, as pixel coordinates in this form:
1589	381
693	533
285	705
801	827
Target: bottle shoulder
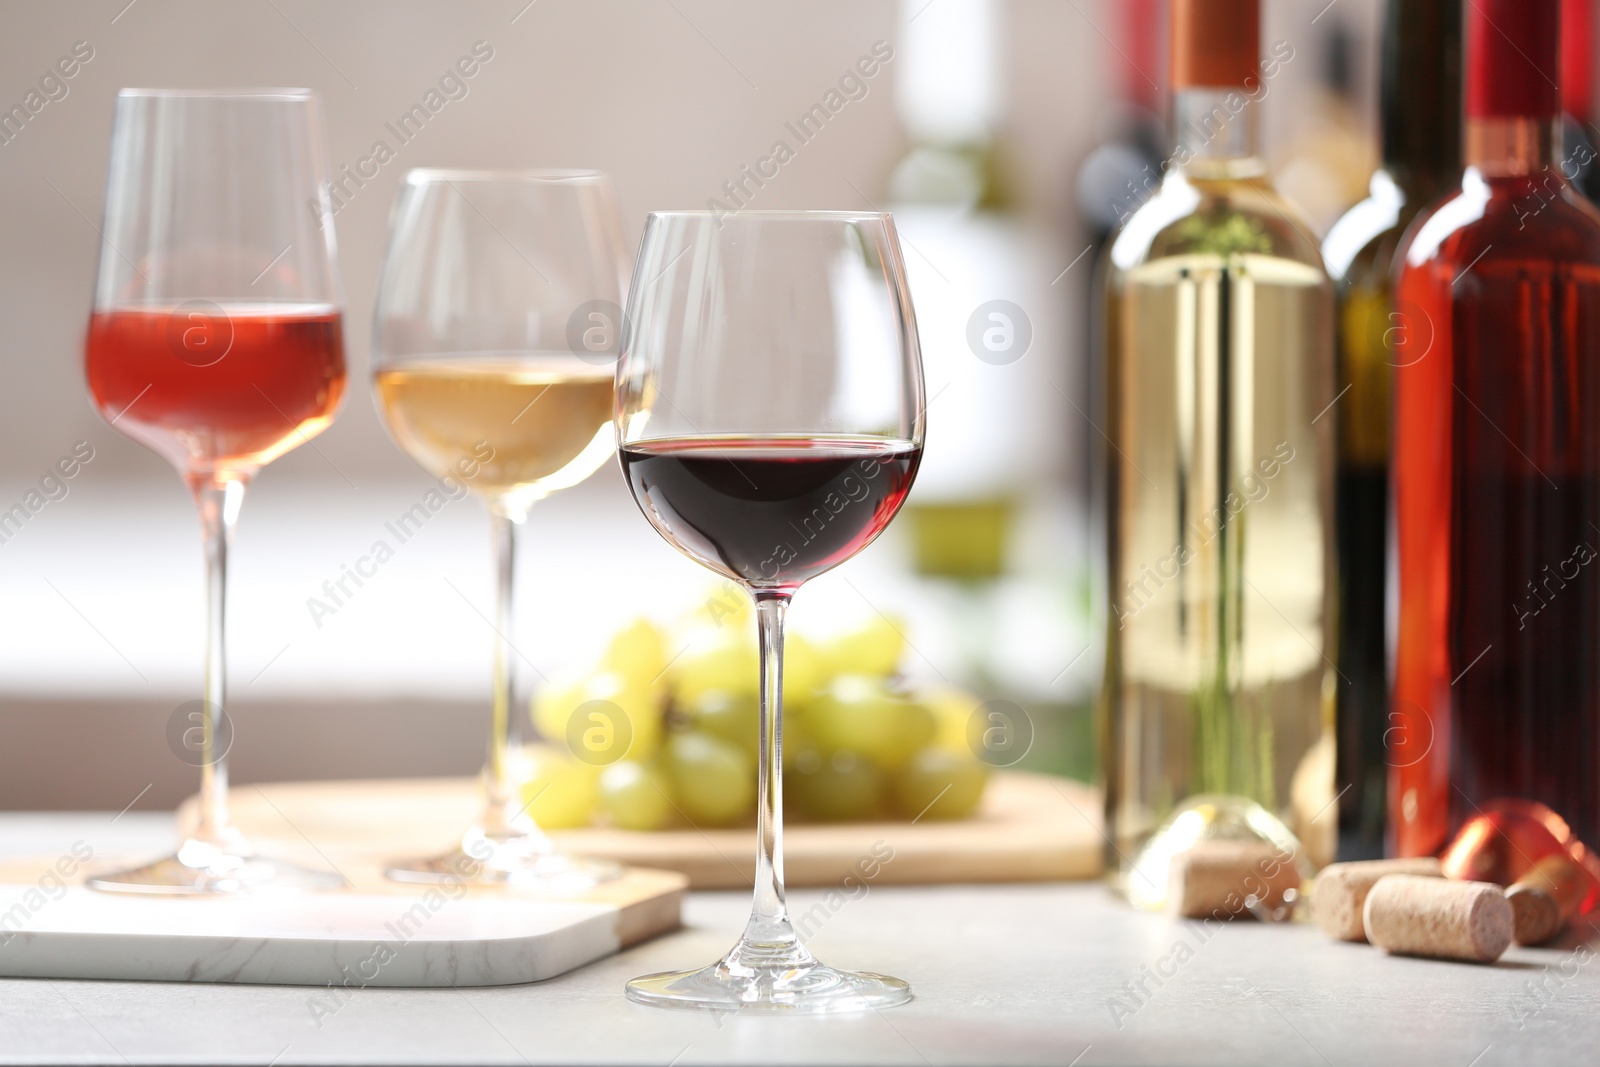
1360	247
1235	216
1488	220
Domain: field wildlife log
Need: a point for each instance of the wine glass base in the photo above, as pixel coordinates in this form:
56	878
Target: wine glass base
779	989
550	873
201	868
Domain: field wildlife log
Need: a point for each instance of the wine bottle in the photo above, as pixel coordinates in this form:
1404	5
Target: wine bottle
1217	702
1420	94
1326	163
1579	160
1497	462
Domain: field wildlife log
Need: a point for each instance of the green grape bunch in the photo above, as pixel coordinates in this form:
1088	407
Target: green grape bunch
662	732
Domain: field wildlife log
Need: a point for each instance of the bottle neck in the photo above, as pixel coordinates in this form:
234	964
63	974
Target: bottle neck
1504	147
1214	133
1420	92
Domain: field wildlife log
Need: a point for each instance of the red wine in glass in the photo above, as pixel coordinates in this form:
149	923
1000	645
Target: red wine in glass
790	336
771	511
213	388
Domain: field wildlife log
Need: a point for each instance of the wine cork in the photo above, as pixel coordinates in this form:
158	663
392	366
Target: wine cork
1535	915
1341	891
1419	916
1219	878
1543	899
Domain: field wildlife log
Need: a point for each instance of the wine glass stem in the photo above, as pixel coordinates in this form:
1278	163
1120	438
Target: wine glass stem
218	503
769	916
504	816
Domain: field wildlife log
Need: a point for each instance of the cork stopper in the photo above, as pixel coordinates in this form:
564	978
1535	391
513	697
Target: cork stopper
1216	44
1513	58
1543	899
1222	878
1535	915
1438	917
1340	892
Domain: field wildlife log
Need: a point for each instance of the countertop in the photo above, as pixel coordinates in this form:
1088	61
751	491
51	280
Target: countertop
1053	974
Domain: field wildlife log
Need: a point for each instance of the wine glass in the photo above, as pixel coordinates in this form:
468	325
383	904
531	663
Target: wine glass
216	342
770	423
493	362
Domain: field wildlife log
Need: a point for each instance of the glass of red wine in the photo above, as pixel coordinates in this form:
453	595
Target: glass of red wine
769	422
215	341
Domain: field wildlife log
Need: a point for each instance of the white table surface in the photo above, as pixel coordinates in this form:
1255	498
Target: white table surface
1003	974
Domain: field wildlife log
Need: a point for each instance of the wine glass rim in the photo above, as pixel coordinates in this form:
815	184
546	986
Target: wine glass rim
776	214
263	93
419	175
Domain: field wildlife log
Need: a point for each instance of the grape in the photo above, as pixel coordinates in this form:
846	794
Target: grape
796	736
952	713
805	668
553	705
834	787
616	710
729	716
641	705
939	784
636	796
717	662
713	780
873	648
558	790
638	652
859	714
729	660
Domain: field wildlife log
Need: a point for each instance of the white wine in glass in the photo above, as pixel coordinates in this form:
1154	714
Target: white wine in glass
534	425
495	345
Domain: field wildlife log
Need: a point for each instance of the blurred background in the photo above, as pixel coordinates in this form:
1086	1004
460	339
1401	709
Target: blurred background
1009	136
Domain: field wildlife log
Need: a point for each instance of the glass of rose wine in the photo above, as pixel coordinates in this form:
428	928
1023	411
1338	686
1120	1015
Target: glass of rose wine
493	362
770	422
216	342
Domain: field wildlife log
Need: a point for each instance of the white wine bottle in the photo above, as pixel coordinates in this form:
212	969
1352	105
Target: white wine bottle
1216	712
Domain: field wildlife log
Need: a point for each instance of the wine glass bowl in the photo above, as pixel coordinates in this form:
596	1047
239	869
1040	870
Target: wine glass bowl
215	340
770	420
494	347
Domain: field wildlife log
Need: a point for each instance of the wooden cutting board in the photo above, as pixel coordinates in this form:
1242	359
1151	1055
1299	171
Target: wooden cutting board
1031	827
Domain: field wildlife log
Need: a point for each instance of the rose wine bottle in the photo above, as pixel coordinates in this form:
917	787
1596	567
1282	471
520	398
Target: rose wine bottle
1217	704
1420	94
1497	462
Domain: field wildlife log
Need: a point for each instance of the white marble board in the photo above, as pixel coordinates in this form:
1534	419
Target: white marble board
349	939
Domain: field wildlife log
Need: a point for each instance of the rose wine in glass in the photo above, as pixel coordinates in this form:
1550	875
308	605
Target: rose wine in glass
275	382
770	422
215	341
1497	463
498	319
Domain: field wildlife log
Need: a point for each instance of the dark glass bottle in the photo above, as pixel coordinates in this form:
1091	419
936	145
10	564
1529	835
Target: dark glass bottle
1421	110
1497	462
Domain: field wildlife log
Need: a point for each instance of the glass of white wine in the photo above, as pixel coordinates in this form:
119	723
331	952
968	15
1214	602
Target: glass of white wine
494	347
